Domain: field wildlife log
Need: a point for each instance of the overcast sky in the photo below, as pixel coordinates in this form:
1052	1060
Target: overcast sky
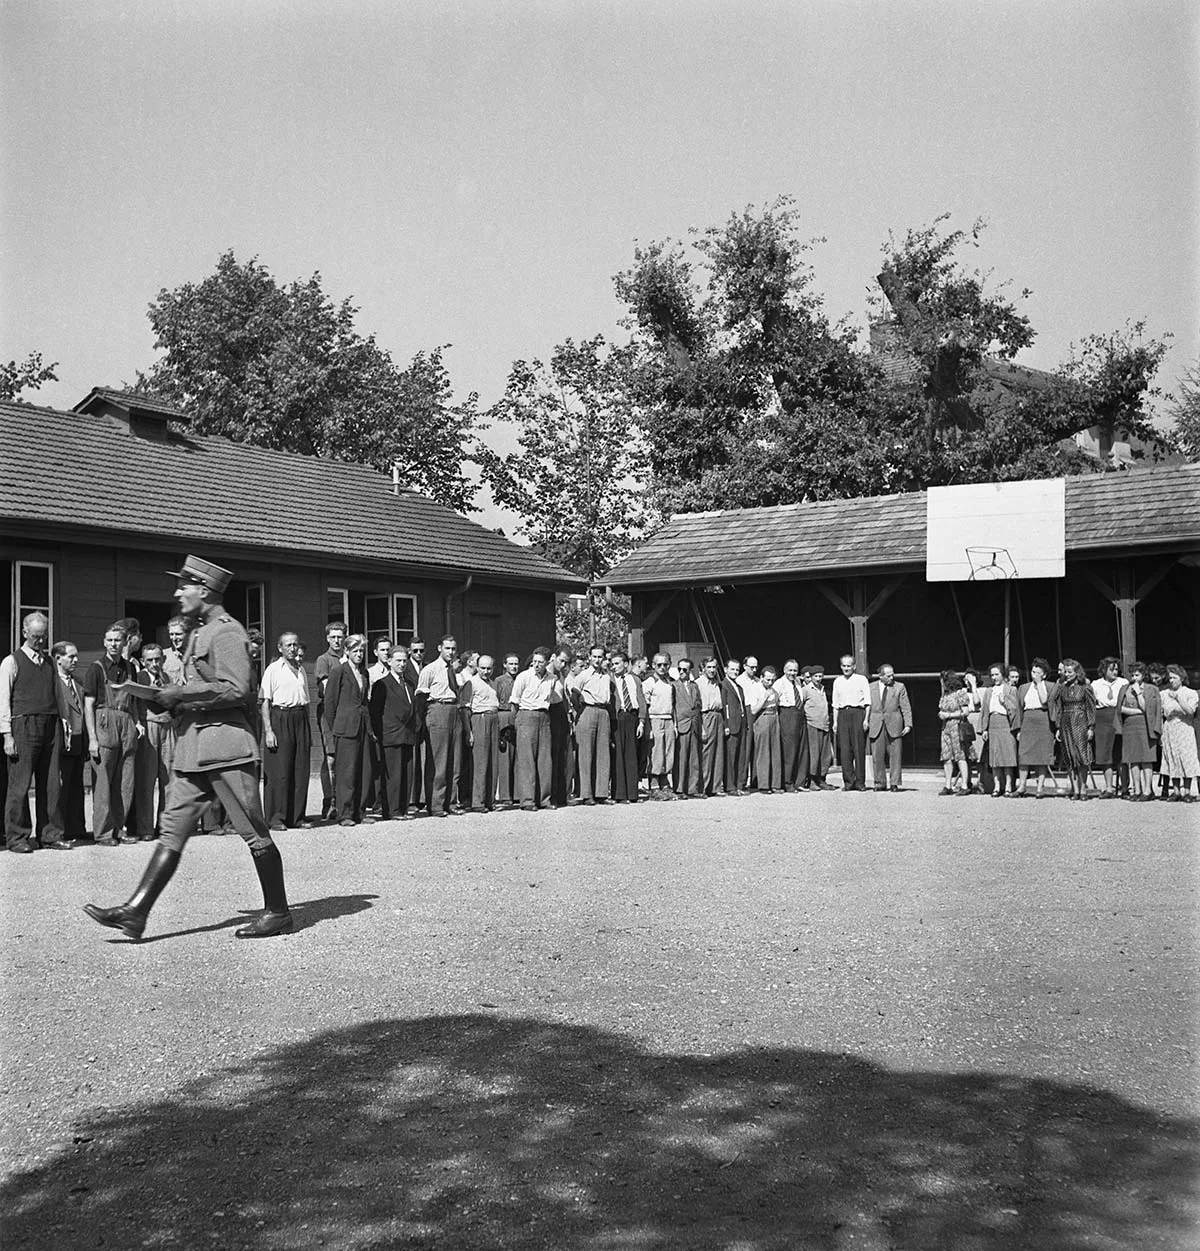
475	173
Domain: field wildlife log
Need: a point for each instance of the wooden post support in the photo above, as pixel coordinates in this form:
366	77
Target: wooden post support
1125	594
858	611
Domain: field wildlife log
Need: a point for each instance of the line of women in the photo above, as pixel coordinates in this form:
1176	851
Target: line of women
1129	727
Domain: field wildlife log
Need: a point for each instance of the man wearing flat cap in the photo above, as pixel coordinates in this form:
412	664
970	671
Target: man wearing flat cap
216	755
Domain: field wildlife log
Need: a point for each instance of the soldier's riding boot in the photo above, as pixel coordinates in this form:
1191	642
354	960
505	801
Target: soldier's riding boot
130	918
276	919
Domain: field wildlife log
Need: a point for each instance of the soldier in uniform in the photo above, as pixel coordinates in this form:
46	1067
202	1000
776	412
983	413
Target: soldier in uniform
216	756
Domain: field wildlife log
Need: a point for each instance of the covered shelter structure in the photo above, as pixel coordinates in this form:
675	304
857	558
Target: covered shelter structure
813	581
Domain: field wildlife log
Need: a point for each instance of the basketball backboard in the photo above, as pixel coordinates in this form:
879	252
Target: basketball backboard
996	531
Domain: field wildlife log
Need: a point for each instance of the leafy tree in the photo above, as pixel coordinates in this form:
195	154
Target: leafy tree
577	480
1185	410
284	367
26	375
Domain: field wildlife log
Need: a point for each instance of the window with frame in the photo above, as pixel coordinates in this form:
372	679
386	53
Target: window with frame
404	619
32	591
337	604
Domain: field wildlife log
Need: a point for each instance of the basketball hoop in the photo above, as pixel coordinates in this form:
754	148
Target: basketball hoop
990	564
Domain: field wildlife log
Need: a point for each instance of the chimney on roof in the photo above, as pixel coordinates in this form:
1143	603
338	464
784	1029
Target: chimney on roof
395	479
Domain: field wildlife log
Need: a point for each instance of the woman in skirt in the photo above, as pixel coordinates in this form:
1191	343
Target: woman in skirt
1141	726
952	712
1108	689
1073	709
1035	747
768	749
1179	760
1000	713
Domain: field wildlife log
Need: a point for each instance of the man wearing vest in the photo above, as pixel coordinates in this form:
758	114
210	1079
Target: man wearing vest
30	721
216	756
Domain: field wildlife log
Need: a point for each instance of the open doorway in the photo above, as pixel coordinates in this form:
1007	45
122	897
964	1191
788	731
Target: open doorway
153	616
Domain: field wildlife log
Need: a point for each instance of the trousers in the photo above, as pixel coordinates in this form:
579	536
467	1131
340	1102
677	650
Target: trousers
592	735
285	770
235	787
533	756
36	738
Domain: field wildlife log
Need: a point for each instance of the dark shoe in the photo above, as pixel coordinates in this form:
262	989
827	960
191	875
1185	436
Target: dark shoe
278	827
266	925
23	848
946	791
130	918
106	842
275	919
60	845
529	807
305	825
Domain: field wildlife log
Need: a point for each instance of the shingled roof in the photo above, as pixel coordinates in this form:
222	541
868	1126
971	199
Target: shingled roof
1138	509
71	471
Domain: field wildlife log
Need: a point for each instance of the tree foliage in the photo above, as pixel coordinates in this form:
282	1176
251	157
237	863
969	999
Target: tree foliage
750	395
284	367
26	375
1185	411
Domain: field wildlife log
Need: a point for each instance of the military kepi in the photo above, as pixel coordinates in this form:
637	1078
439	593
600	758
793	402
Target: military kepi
203	573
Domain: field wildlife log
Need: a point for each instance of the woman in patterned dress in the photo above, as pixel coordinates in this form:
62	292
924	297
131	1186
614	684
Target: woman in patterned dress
1179	758
952	712
1035	747
1073	709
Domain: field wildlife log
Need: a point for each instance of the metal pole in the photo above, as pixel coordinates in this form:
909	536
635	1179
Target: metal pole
1007	620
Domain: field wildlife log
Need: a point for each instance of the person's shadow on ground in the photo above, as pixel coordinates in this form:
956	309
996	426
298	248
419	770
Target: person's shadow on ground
472	1132
308	913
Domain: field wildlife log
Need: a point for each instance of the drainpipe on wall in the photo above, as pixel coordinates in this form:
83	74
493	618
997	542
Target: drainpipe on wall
462	590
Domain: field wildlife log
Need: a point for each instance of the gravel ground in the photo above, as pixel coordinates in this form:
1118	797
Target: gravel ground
813	1021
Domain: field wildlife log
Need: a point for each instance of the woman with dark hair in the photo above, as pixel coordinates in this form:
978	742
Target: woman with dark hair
1073	709
952	712
1035	752
979	774
1141	726
768	748
1001	716
1179	760
1108	689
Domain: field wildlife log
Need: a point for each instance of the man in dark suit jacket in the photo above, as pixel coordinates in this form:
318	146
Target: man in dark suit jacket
347	727
631	724
394	720
688	732
889	719
412	671
734	707
73	747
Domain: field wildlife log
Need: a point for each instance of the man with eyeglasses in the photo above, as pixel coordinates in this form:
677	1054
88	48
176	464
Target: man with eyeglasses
688	733
659	692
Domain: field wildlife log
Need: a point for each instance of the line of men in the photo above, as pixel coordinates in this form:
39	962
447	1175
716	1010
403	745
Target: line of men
452	735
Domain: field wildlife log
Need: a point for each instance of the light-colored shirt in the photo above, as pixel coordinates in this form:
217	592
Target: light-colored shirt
531	693
851	692
173	666
991	699
1036	695
710	694
282	686
594	688
660	696
629	684
434	680
788	690
1108	694
8	676
479	695
378	670
755	693
816	707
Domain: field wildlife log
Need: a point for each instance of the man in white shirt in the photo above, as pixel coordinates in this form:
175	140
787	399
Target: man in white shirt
380	667
630	726
437	697
483	707
659	693
793	734
287	737
755	697
851	707
530	702
593	689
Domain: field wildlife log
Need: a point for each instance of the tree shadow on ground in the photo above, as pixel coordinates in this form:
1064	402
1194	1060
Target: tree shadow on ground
473	1132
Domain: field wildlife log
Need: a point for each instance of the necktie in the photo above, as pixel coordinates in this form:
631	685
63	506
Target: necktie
795	693
622	695
452	680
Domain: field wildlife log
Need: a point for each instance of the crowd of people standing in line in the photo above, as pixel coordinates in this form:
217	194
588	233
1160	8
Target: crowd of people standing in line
400	736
